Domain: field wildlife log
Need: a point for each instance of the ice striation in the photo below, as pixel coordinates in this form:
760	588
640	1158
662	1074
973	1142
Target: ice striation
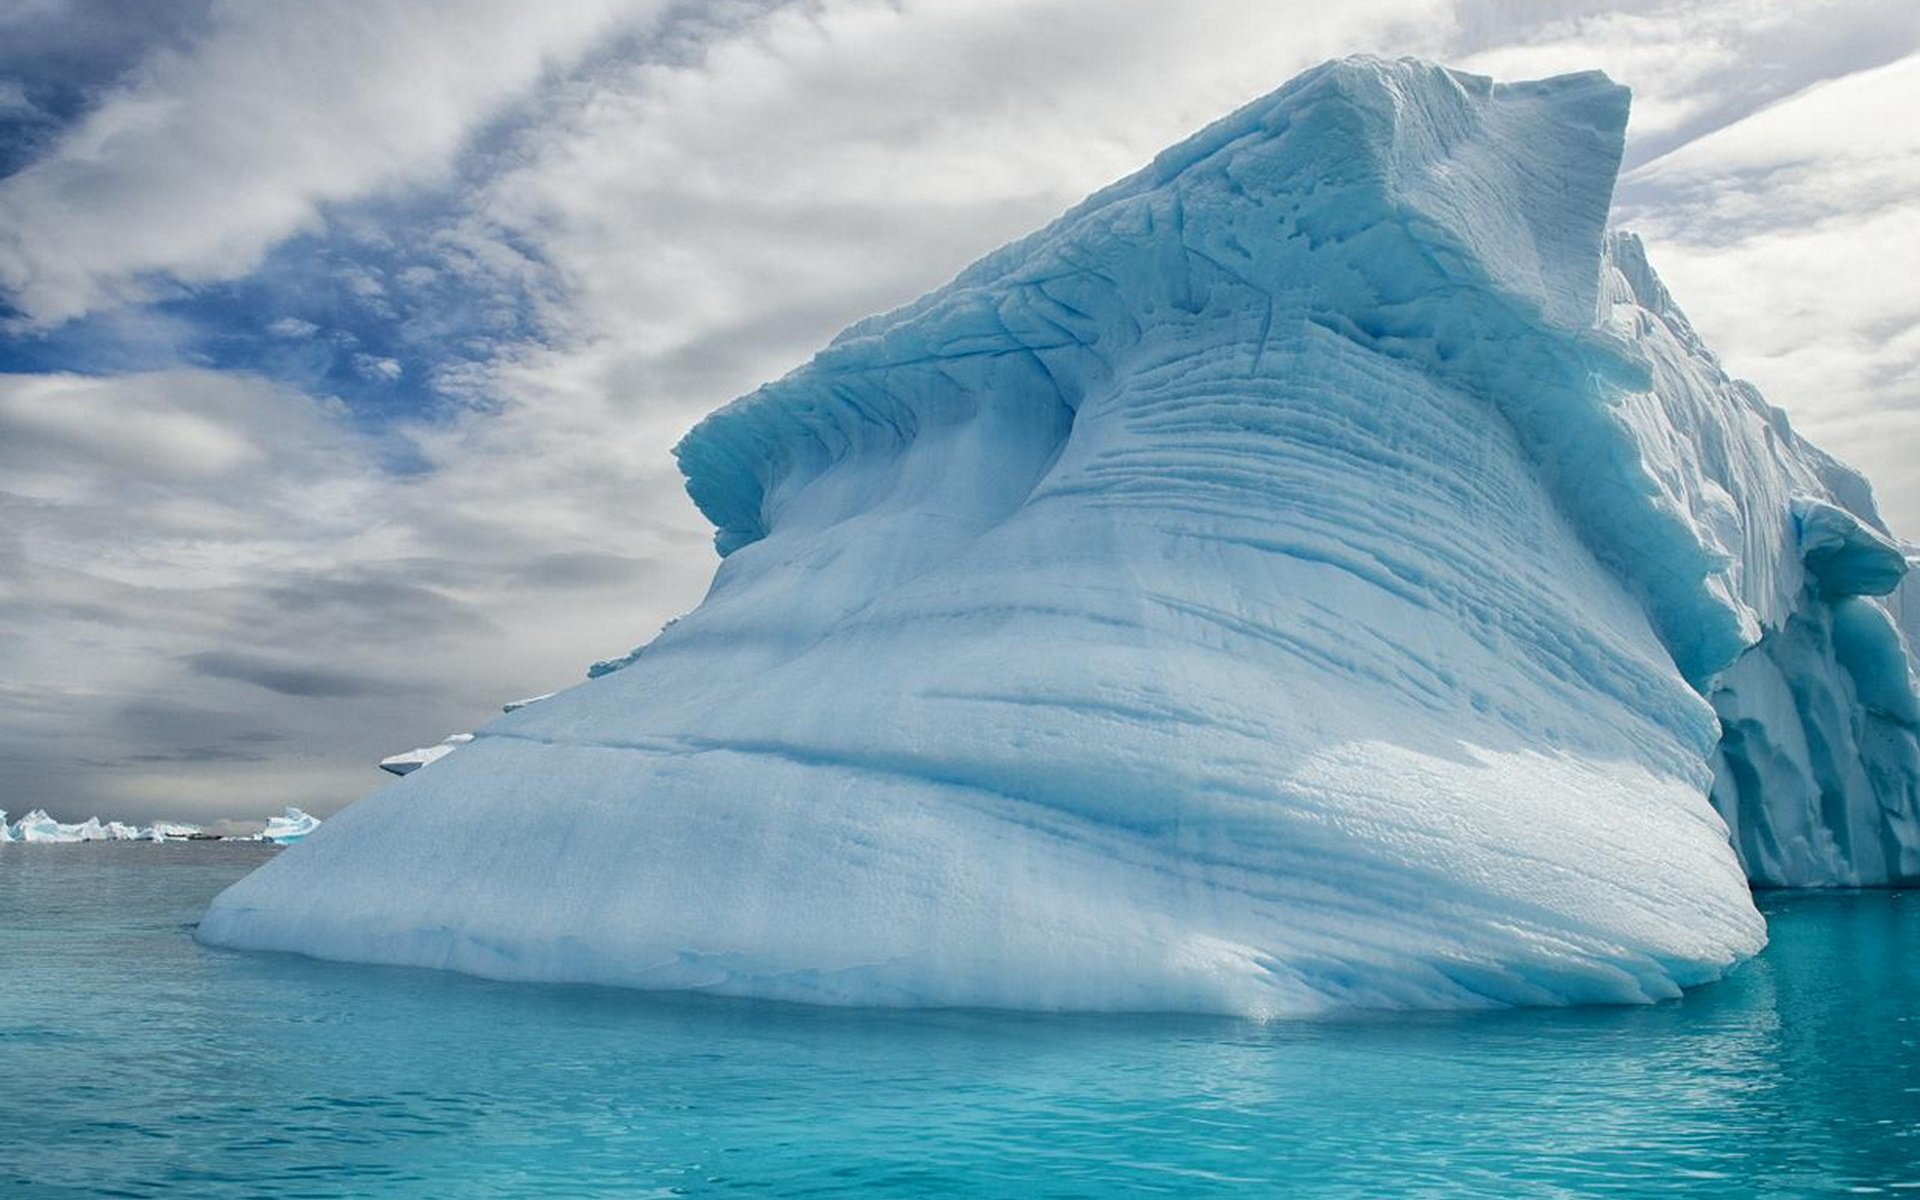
1323	569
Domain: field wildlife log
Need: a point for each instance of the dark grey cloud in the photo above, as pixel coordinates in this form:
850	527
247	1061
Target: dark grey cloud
144	721
289	679
578	569
199	754
369	604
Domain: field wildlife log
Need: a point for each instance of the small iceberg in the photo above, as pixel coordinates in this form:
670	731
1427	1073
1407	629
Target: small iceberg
289	827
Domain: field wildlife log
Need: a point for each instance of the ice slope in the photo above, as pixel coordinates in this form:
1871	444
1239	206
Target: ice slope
1313	572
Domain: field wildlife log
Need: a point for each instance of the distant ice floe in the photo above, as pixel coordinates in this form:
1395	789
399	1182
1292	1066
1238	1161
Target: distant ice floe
37	827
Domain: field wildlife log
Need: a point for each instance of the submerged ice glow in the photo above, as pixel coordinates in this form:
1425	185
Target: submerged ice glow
1316	571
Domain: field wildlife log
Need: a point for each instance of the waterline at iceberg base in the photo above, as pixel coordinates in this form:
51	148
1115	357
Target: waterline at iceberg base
1321	570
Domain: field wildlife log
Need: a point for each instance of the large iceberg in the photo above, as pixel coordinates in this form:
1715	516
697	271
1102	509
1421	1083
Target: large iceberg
1322	569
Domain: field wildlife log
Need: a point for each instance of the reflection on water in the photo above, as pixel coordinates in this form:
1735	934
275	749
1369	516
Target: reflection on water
134	1062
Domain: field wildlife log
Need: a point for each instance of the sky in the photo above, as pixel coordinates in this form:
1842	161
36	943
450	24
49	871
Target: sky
342	343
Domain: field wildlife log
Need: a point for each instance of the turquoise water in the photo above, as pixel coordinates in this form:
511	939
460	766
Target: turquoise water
134	1062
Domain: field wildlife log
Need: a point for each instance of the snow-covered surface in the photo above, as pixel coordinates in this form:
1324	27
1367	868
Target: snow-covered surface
290	826
413	760
1313	572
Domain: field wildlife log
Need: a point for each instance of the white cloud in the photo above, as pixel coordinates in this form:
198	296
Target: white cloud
62	422
214	603
712	222
210	155
372	366
1792	239
1698	65
292	328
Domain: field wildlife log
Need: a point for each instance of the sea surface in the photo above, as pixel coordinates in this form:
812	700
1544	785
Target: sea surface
135	1062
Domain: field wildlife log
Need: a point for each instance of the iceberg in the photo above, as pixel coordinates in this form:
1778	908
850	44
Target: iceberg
38	827
1324	569
289	827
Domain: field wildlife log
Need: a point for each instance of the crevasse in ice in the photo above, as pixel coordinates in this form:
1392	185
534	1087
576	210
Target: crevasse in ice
1315	571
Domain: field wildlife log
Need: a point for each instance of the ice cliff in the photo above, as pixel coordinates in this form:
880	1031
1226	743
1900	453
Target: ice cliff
1322	569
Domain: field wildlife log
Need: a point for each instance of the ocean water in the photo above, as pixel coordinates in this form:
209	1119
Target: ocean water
134	1062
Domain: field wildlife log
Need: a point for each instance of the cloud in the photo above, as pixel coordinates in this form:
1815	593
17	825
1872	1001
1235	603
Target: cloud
293	328
1699	65
212	152
289	679
51	423
375	367
222	603
1792	239
14	104
58	56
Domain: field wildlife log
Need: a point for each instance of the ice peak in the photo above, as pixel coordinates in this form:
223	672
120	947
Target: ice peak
1349	197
